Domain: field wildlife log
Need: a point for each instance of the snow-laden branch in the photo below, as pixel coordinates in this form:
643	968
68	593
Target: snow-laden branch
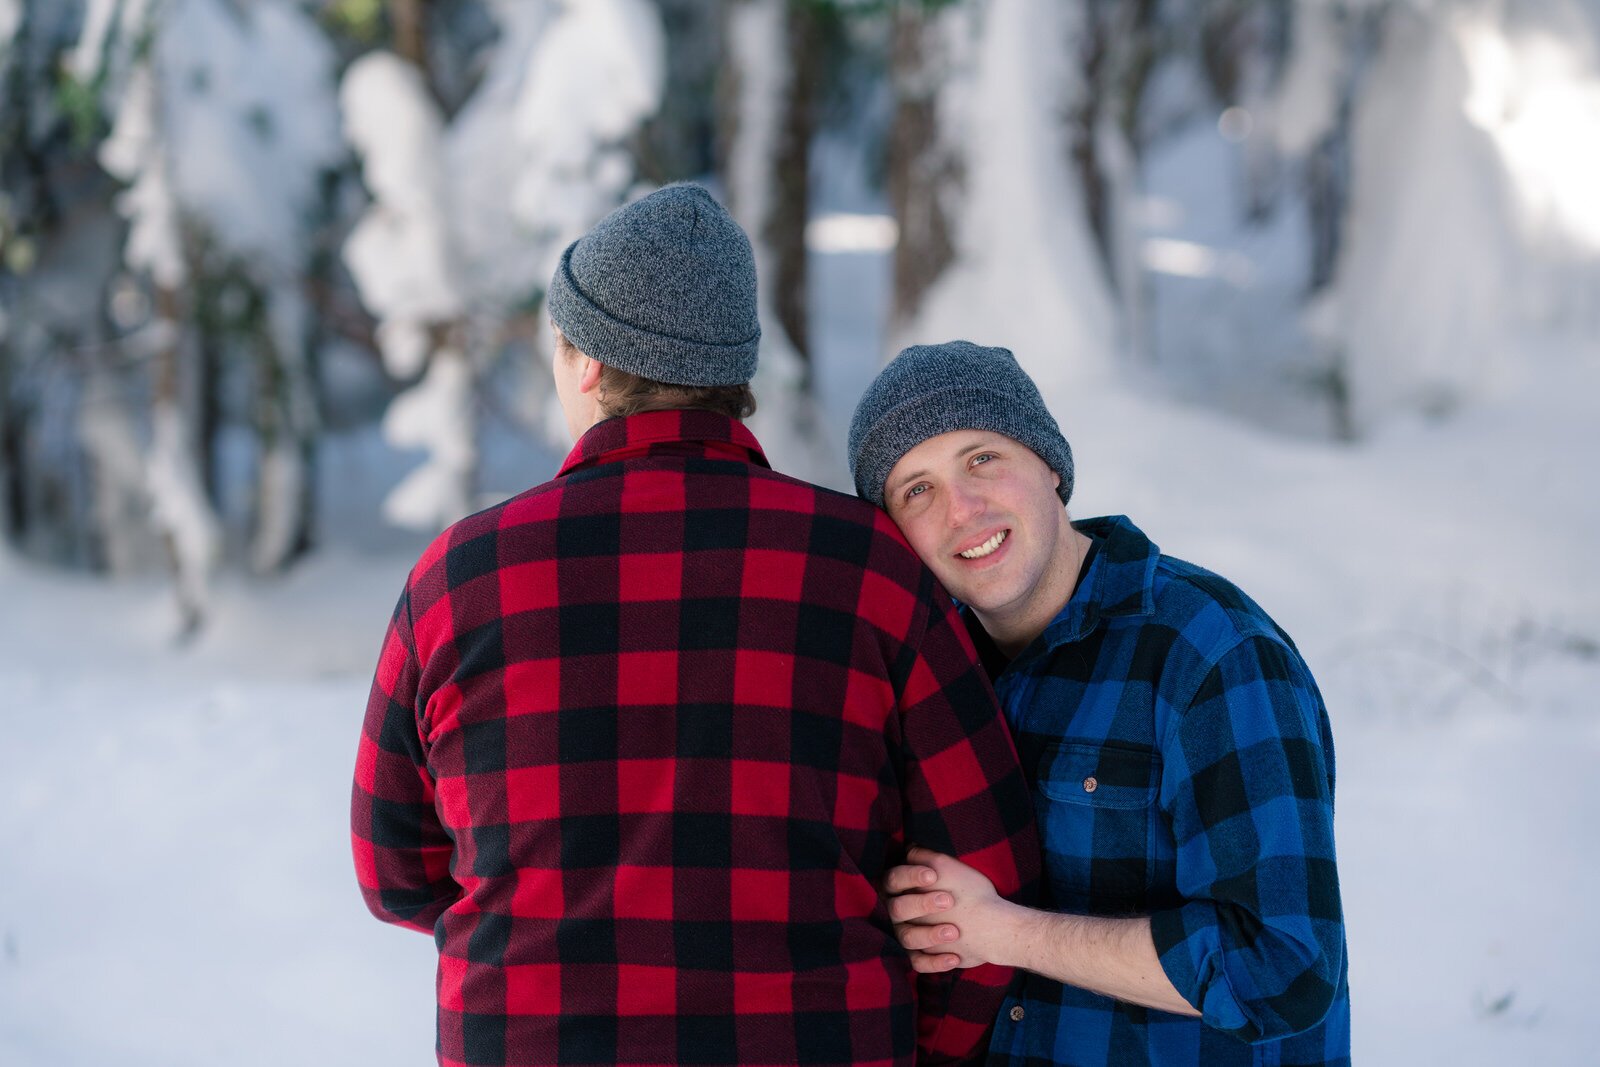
469	217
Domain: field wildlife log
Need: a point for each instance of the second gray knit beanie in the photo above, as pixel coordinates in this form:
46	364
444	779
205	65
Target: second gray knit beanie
665	288
928	390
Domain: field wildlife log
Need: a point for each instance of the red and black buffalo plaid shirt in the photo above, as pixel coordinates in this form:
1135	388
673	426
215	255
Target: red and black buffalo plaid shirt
643	742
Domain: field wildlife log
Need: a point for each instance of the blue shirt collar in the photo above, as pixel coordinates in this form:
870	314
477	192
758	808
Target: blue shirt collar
1120	581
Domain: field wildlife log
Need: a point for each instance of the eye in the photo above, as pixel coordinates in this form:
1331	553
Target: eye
983	457
916	490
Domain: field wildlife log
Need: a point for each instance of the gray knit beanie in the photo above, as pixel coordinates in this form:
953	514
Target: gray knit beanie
664	288
928	390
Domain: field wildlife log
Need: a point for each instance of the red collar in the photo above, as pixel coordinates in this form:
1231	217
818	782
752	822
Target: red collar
704	432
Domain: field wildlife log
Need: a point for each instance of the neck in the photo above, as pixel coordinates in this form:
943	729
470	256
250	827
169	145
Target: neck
1014	630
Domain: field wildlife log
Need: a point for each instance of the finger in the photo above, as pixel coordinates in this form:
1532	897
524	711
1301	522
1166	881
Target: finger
910	907
923	938
927	857
934	963
909	877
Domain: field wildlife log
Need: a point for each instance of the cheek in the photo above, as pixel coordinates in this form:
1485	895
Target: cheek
922	532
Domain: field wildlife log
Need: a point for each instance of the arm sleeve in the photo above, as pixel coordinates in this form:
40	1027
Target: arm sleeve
1258	944
402	852
965	796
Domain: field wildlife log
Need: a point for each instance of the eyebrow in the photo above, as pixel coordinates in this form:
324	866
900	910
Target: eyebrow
912	476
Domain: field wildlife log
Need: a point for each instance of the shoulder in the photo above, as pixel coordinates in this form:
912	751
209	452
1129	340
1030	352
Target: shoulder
470	547
1215	637
843	526
1211	613
852	551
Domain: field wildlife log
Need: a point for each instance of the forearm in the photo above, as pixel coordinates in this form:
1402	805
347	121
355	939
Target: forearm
1115	957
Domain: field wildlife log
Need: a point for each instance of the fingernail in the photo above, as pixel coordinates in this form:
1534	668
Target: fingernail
926	876
947	933
942	900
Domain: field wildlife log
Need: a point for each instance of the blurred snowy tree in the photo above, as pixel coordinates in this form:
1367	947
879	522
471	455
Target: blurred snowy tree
1318	214
473	207
65	449
775	56
223	131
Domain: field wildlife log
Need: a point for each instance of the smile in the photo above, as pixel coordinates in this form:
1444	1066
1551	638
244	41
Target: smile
986	548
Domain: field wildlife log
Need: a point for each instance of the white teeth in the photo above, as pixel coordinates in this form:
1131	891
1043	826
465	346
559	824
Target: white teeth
985	548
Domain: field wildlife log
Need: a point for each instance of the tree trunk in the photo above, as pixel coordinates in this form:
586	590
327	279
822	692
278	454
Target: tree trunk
286	428
409	21
765	105
769	96
679	141
785	228
924	172
119	501
180	506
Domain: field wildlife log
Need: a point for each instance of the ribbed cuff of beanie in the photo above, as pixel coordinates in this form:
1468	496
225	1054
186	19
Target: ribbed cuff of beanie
939	411
657	356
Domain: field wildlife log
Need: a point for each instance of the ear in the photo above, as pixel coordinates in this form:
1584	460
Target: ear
589	380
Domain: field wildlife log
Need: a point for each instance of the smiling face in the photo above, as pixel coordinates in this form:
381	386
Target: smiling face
982	512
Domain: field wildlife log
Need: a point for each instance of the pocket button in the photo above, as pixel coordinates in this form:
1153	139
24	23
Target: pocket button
1017	1013
1090	784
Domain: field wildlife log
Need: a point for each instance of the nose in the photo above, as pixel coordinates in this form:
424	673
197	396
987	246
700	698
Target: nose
964	504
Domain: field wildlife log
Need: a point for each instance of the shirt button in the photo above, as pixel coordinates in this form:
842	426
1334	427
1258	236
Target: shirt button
1017	1013
1090	784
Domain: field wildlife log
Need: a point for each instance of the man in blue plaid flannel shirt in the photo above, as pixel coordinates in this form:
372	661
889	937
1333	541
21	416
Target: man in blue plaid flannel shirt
1178	749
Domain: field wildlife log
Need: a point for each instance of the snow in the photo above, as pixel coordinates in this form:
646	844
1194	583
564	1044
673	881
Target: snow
791	430
132	154
399	253
1472	219
181	509
10	19
534	156
183	893
598	73
1536	93
1424	319
437	415
1018	221
105	23
244	99
469	218
1307	103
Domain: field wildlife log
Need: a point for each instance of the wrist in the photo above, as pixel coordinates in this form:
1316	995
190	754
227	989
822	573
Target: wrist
1014	926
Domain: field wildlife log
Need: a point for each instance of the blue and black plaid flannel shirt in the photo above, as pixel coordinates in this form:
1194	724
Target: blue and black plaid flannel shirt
1182	768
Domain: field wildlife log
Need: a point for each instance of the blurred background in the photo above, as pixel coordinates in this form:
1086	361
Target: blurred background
1313	287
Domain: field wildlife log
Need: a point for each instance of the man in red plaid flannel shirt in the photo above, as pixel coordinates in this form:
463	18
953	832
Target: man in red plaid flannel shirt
645	739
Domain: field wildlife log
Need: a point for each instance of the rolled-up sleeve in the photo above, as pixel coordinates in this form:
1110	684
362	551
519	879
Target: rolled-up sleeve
1258	943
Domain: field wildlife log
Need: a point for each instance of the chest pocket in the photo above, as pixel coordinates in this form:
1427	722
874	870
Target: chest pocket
1096	806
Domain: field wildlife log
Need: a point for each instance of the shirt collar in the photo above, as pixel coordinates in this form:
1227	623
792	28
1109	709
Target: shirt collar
696	432
1120	582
